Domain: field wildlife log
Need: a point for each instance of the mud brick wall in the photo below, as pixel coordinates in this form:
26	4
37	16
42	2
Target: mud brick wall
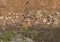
29	12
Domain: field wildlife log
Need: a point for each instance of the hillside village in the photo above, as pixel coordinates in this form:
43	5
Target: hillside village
28	13
29	20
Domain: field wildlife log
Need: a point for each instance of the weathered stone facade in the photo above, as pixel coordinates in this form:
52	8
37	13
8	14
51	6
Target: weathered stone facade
29	12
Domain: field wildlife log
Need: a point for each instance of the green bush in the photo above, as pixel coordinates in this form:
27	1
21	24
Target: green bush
7	35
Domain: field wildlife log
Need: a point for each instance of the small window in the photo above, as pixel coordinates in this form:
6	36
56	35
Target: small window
25	20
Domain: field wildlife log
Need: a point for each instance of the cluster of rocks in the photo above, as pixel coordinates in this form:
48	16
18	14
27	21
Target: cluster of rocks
18	38
30	19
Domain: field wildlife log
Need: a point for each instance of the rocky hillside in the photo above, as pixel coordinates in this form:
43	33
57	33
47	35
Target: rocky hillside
29	12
